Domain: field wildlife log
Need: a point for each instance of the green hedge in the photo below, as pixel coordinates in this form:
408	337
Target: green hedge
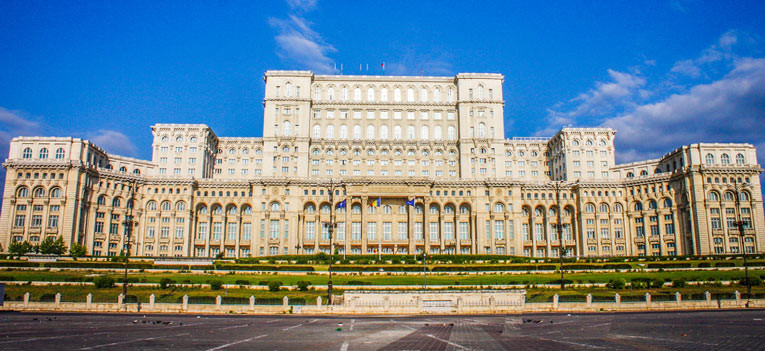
259	267
669	265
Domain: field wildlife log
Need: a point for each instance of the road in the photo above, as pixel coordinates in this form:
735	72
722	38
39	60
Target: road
705	330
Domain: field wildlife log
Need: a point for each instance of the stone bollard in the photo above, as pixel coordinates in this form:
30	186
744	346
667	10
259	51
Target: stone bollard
678	298
120	299
556	301
459	304
648	299
589	300
738	297
286	302
26	299
492	303
58	300
152	300
318	301
708	297
185	302
618	299
252	302
88	301
218	301
419	304
386	302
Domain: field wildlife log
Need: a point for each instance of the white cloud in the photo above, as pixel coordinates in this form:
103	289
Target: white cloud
113	142
731	109
722	50
299	43
13	124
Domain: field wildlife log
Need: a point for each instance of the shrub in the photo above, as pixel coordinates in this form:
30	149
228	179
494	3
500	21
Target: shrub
618	283
678	283
103	282
77	250
242	282
165	283
263	282
753	281
705	265
216	284
302	285
274	285
656	283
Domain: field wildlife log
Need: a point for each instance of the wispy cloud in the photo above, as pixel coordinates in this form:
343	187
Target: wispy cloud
722	50
113	142
299	43
12	124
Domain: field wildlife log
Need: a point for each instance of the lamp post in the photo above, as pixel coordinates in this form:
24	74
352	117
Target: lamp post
736	186
128	223
331	225
559	228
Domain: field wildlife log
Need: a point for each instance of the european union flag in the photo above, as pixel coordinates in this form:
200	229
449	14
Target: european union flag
341	204
410	202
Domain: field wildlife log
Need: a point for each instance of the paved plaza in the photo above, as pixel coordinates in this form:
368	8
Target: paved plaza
706	330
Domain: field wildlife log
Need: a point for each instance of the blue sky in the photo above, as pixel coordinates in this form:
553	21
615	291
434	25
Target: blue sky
663	73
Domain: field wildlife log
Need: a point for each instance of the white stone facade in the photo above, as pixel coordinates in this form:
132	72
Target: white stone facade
438	141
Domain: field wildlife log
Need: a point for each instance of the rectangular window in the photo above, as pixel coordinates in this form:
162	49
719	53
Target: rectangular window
539	231
201	232
418	231
433	231
464	234
262	228
324	231
310	230
179	232
654	230
499	229
448	231
387	231
53	221
36	221
99	227
231	231
525	232
371	230
341	231
287	222
356	230
164	232
640	231
274	229
604	233
403	229
217	231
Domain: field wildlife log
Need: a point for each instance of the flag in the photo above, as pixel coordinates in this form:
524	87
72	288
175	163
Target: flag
410	202
341	204
383	66
376	203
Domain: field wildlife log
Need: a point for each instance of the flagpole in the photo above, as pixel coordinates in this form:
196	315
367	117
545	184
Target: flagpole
379	237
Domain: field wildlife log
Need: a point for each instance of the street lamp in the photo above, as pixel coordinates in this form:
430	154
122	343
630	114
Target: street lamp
331	225
736	186
559	229
128	223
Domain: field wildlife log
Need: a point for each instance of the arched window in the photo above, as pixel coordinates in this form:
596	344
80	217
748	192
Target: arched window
433	209
43	153
287	128
397	132
652	205
643	173
101	200
638	206
575	142
275	206
246	210
22	192
180	206
316	131
38	192
331	94
343	132
152	206
202	209
330	132
410	132
451	133
424	133
344	94
743	196
317	93
356	132
325	208
55	193
740	159
288	89
423	95
588	142
481	130
123	169
60	153
217	209
713	196
618	208
410	95
356	209
116	202
232	209
370	94
464	209
725	159
384	94
498	207
710	159
603	208
480	92
357	94
384	132
728	196
27	153
589	208
449	209
630	175
667	203
437	95
418	209
166	206
450	95
437	133
387	209
370	132
309	208
397	95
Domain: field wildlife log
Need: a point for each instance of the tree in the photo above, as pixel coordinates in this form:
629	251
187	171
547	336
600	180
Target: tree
51	246
77	250
103	282
19	248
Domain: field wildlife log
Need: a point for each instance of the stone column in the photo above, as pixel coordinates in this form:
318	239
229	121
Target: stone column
738	297
286	302
252	302
678	298
556	301
318	301
58	300
648	299
26	299
218	301
589	300
152	300
120	300
185	302
88	301
618	299
708	297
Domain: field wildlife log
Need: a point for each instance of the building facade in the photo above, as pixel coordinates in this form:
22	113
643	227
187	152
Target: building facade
421	164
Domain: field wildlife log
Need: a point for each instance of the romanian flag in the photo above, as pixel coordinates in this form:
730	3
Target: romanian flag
376	203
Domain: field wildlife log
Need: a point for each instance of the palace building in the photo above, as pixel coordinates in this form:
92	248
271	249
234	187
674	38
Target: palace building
418	163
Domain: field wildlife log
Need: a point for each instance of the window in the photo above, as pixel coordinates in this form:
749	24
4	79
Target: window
710	159
725	159
740	159
60	153
27	153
